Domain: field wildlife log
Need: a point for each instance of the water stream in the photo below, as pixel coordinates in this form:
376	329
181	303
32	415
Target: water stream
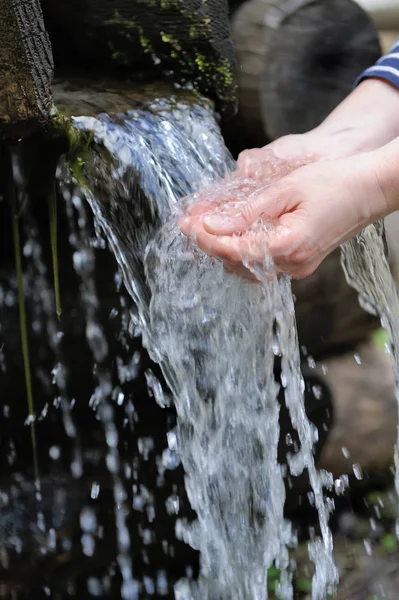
216	338
366	265
228	352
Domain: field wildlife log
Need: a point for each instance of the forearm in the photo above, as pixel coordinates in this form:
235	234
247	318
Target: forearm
366	120
369	117
372	107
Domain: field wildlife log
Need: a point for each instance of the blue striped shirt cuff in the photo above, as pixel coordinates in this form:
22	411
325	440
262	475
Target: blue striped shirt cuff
387	67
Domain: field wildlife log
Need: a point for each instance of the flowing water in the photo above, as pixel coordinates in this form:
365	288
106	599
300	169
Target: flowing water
227	349
216	337
365	262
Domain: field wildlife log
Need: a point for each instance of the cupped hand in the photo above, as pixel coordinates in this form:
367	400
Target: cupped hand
301	213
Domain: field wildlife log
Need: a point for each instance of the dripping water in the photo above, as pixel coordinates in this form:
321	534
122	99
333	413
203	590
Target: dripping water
101	400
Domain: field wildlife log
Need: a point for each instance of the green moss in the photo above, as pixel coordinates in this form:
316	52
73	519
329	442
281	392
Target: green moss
193	31
381	338
389	542
201	63
79	142
303	584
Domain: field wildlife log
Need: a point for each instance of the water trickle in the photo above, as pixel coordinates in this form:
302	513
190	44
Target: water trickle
364	260
215	337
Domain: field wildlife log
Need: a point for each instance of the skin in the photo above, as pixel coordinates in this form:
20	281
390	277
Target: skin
328	185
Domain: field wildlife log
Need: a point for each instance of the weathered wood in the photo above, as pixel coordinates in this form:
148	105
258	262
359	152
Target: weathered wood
186	41
298	59
26	67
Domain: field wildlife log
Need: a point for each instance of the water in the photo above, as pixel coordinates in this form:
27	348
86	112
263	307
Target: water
101	400
216	338
365	263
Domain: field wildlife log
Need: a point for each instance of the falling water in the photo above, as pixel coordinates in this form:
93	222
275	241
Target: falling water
216	338
84	263
364	260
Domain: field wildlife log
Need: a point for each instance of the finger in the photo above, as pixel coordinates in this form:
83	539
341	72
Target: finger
268	202
244	254
226	248
226	192
249	161
186	225
293	254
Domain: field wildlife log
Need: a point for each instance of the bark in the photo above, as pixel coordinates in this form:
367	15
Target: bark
26	67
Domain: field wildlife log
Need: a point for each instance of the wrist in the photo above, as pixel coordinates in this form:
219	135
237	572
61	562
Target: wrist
384	166
365	121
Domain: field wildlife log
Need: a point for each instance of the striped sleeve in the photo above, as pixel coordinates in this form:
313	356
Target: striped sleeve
387	67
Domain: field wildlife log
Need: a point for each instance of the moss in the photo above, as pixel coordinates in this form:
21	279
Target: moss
78	143
189	45
201	63
381	338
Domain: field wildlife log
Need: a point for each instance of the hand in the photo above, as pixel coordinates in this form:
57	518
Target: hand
309	216
311	210
357	125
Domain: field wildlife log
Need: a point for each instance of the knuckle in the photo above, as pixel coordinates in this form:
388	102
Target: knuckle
302	272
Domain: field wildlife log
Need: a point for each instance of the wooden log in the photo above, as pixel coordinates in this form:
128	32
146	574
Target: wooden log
186	41
26	67
298	59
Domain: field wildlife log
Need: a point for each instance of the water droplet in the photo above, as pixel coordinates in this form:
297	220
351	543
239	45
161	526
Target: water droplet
55	452
88	544
170	460
357	471
345	452
94	586
368	547
311	362
317	391
88	519
95	490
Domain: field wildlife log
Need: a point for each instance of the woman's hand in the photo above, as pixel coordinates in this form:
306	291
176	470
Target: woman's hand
313	190
312	209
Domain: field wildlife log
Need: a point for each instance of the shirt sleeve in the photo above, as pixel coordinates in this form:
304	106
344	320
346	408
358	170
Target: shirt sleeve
387	67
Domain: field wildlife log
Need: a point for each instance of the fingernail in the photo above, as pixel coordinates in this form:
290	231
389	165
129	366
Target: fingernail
185	225
215	222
